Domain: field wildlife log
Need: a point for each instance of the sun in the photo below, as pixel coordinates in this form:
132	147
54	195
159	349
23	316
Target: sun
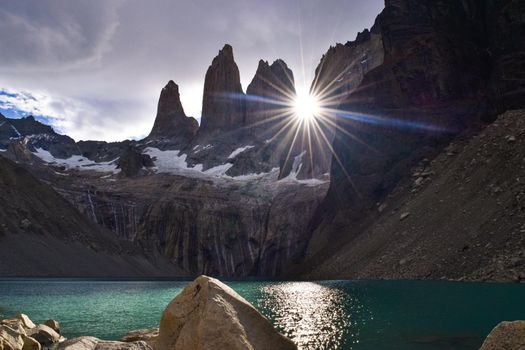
306	107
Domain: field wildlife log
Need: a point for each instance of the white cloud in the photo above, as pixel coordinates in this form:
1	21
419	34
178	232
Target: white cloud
76	118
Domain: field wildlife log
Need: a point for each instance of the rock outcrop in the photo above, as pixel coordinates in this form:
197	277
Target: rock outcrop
223	106
171	122
20	333
207	314
268	99
506	336
132	162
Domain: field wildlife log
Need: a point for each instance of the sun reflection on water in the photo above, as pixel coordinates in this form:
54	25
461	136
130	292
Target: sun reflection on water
312	315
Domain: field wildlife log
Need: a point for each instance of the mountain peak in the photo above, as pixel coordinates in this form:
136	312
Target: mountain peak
223	99
227	51
172	86
171	121
274	82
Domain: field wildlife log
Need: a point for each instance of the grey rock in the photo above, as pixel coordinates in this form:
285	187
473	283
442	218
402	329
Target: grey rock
506	336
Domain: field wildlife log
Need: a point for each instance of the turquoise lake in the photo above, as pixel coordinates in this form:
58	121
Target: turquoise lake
359	315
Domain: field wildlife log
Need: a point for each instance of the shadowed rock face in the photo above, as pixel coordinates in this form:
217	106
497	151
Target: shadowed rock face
434	83
269	96
446	69
506	30
235	230
171	121
343	67
223	104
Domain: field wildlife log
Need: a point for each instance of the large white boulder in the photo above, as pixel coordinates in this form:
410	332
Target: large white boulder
209	315
506	336
26	321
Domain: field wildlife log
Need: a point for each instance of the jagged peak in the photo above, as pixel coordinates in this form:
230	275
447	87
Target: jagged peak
279	63
171	120
262	64
226	53
171	85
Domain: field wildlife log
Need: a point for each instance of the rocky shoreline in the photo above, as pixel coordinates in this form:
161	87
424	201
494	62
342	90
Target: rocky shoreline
207	314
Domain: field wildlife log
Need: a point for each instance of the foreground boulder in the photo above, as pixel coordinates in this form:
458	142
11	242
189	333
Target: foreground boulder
44	335
10	339
207	314
92	343
506	336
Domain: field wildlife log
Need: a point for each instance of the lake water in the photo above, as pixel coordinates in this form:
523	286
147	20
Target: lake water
316	315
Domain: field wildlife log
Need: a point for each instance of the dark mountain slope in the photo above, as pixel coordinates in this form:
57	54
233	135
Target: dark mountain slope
443	74
41	234
460	216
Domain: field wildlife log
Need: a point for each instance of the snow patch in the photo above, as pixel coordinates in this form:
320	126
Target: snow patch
14	129
197	150
218	170
274	174
239	151
296	168
172	162
77	162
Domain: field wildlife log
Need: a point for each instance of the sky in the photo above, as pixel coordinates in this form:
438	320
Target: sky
94	69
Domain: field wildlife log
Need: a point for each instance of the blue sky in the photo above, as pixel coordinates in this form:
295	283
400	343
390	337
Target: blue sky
95	68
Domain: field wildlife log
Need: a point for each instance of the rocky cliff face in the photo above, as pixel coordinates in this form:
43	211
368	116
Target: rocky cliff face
268	99
232	228
437	79
171	122
223	105
343	67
